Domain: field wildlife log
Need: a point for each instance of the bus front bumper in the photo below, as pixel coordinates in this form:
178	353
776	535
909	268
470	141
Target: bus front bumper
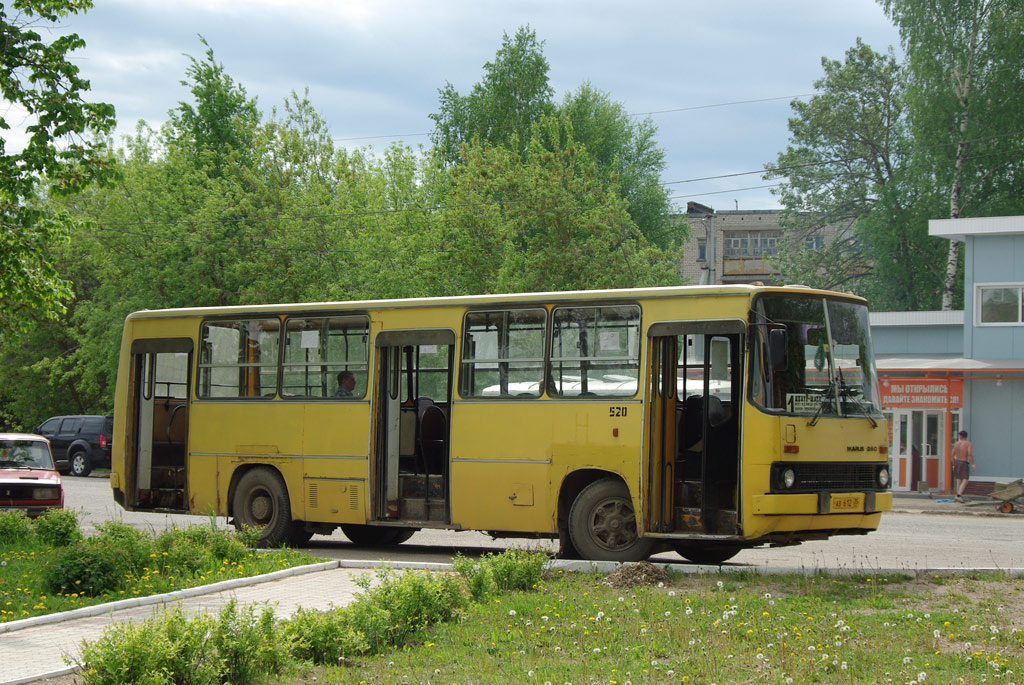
823	503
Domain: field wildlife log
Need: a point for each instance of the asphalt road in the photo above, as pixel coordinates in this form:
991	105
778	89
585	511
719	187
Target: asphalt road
903	540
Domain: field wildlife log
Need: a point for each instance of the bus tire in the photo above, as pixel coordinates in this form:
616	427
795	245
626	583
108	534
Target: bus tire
261	499
375	536
602	523
706	554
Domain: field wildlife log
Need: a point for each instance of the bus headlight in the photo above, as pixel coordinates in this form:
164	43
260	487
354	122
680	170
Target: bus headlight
883	477
788	478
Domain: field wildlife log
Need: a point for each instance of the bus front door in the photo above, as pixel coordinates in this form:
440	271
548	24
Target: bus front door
413	418
156	455
694	389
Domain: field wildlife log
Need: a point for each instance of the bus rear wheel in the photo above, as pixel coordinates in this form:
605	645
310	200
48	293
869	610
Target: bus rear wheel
375	536
602	523
706	554
261	499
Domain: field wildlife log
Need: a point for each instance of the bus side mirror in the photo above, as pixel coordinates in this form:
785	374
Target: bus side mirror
777	349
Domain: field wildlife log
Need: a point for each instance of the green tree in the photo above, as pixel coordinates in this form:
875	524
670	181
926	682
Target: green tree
965	84
849	186
45	88
220	125
509	103
543	222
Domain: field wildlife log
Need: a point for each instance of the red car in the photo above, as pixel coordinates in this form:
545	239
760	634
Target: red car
28	480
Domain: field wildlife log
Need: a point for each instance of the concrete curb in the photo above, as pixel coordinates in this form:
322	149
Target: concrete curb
954	512
33	678
728	568
165	598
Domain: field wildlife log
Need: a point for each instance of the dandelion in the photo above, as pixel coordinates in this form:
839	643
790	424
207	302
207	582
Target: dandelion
597	650
671	593
720	585
512	612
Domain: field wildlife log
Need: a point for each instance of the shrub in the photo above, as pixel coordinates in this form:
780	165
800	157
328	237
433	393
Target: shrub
15	527
516	569
192	657
136	546
478	576
323	637
90	567
249	536
250	647
404	603
513	569
198	547
238	646
126	653
58	527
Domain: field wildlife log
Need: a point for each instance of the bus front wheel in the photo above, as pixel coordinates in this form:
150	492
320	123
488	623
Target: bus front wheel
261	499
602	523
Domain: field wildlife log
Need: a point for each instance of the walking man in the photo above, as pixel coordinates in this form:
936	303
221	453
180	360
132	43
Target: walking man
963	462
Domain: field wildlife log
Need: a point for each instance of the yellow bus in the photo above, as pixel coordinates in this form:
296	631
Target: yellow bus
704	419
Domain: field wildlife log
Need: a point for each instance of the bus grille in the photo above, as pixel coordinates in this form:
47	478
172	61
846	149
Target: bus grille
829	477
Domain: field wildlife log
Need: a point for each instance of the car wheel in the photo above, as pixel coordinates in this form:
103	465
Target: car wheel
261	499
602	524
80	464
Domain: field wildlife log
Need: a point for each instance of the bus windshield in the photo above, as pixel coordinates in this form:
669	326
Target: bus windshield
812	356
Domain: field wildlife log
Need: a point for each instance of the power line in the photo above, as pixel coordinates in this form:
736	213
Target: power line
843	160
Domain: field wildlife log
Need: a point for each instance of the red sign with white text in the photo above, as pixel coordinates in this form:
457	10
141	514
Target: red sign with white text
922	392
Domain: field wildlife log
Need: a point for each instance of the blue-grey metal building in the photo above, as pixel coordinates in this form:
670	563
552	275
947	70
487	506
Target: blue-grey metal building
941	372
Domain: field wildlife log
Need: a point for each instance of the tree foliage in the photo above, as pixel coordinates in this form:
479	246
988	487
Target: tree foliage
42	86
507	108
886	146
965	83
223	207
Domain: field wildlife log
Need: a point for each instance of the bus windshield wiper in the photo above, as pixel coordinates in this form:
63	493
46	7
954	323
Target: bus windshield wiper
827	396
846	392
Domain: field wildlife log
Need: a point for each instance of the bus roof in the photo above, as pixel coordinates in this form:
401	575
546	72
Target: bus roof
499	299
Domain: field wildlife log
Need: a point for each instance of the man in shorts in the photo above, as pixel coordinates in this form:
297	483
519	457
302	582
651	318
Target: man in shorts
963	462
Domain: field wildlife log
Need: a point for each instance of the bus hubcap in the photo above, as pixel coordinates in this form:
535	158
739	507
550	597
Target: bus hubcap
614	525
261	508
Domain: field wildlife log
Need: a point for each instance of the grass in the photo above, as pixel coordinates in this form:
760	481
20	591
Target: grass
721	628
174	560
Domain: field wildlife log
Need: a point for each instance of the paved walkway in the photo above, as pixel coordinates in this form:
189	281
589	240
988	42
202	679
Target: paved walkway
32	649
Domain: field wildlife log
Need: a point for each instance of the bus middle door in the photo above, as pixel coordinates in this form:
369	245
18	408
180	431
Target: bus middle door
413	412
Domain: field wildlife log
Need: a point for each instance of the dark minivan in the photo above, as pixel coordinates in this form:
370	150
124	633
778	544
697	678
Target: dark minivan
79	443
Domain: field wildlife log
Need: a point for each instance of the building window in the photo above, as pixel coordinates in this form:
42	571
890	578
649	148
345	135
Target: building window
752	243
1001	304
702	250
815	242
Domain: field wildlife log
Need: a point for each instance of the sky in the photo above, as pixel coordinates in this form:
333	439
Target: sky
373	67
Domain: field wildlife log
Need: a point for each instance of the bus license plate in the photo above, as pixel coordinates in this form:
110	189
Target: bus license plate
847	503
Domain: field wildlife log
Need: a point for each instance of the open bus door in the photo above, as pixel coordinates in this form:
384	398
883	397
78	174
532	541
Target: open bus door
694	381
413	418
156	454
